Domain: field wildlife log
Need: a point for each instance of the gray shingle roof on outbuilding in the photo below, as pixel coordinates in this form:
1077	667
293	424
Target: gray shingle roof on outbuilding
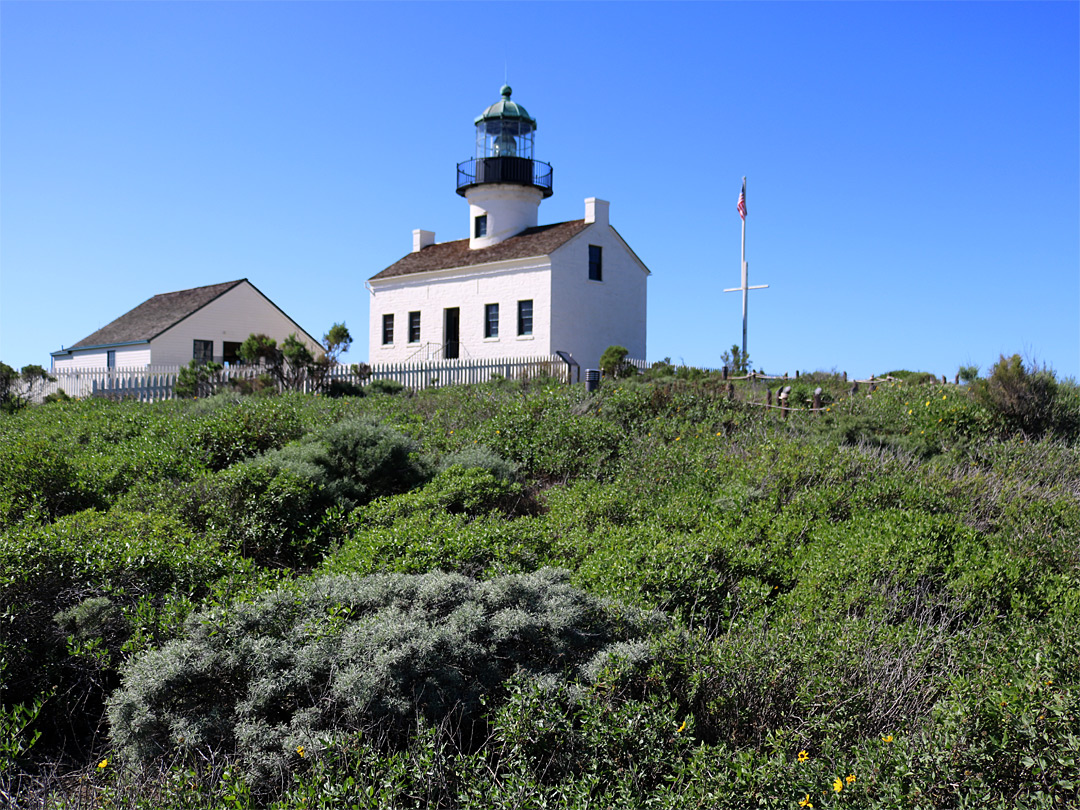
152	317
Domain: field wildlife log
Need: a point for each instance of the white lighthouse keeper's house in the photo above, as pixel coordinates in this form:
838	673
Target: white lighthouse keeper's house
514	288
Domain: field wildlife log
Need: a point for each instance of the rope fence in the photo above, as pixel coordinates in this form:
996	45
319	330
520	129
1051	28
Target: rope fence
784	394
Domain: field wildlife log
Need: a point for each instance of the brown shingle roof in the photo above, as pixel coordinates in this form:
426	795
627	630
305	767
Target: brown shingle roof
538	241
150	318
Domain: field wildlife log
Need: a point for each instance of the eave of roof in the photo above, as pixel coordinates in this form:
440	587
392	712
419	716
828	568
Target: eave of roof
541	240
153	316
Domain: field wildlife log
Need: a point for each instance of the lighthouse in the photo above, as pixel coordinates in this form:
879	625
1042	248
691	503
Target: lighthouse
503	183
513	288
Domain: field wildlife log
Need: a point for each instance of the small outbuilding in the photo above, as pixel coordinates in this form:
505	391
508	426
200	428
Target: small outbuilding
204	323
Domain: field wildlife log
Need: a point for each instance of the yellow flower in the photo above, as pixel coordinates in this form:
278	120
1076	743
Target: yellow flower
943	396
806	801
851	779
680	728
300	751
838	784
104	763
909	411
886	738
803	756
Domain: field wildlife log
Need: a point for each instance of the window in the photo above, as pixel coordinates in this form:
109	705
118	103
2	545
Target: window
525	317
230	352
414	327
387	329
491	320
596	268
479	226
110	359
203	351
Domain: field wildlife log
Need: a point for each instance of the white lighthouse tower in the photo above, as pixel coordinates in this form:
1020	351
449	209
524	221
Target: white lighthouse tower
503	183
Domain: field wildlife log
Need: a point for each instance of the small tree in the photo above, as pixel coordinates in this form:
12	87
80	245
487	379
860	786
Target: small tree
1023	399
736	361
197	380
17	387
968	374
292	364
613	362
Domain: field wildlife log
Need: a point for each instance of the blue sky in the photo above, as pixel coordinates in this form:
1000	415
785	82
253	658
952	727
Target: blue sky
913	168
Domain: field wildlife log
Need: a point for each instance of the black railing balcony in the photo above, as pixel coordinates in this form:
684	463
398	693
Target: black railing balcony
513	170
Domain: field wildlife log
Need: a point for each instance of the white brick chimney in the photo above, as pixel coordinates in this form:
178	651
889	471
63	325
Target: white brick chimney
596	211
422	239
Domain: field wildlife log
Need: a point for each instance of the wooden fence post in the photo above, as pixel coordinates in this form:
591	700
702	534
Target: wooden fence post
817	400
768	397
730	391
845	376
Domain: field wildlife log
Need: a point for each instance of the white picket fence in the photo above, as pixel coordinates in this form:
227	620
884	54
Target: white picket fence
153	383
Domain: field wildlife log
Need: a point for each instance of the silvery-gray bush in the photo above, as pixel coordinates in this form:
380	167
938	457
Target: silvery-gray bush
297	668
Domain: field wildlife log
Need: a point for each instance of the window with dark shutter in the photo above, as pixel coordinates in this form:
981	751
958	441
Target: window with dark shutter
596	263
525	317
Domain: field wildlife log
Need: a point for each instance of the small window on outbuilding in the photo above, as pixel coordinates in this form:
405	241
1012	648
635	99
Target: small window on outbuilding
110	358
387	329
414	327
480	226
596	263
203	351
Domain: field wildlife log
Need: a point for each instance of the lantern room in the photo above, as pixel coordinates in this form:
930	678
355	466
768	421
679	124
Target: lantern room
504	129
504	150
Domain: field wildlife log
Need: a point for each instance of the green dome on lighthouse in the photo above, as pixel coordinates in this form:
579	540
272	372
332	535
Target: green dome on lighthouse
505	109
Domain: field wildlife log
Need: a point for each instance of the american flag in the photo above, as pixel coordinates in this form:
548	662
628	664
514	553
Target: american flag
742	201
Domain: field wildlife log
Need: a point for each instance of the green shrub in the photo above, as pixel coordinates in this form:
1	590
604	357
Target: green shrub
344	388
78	592
341	654
455	490
1029	401
39	481
911	377
480	457
385	387
238	428
361	459
262	511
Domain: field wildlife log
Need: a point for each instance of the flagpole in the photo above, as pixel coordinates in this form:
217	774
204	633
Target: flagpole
745	288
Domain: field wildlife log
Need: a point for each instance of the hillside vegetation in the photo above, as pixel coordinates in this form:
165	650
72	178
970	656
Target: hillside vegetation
521	595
